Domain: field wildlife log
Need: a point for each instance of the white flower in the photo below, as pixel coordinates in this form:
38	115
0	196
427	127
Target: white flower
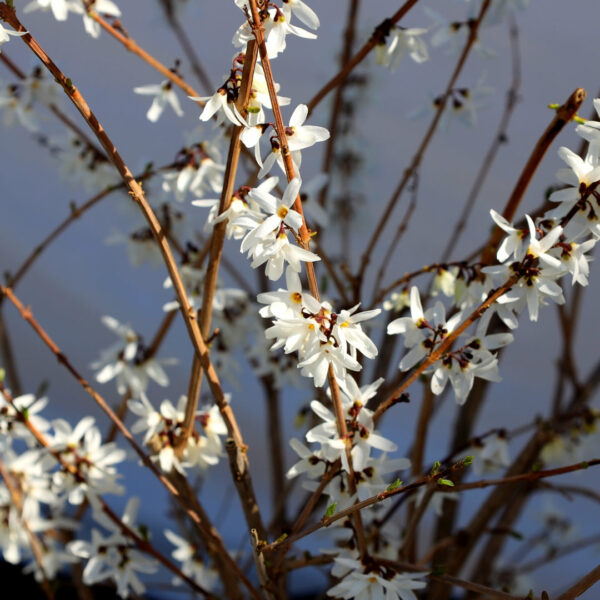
60	8
223	105
347	331
192	565
321	356
360	425
276	253
397	301
573	258
281	210
306	14
163	95
114	557
398	43
277	27
474	359
298	136
104	7
311	463
10	424
512	244
6	33
375	582
490	454
537	274
422	331
91	461
581	176
129	362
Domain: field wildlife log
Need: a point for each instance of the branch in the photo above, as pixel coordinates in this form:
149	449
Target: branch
146	460
377	37
563	115
416	161
441	349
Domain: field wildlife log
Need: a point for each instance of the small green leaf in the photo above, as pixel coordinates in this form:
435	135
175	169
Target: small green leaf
281	538
2	374
331	510
445	482
467	461
25	413
537	467
394	485
436	467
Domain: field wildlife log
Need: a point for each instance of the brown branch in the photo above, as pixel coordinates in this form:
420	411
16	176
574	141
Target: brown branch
216	247
137	194
553	553
76	212
358	506
416	161
136	49
376	38
146	460
582	585
187	46
531	476
500	138
416	459
563	115
401	229
141	543
336	112
441	349
258	31
56	111
35	543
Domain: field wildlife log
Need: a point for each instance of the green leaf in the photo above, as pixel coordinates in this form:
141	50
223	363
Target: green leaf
467	461
394	485
331	510
436	467
2	374
281	538
445	482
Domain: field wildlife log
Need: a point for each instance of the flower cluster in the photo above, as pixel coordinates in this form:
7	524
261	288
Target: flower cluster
163	428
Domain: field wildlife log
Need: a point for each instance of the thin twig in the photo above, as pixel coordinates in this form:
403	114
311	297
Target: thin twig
563	115
141	543
582	585
146	460
216	247
59	114
416	161
34	542
377	37
136	49
186	45
441	349
500	138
